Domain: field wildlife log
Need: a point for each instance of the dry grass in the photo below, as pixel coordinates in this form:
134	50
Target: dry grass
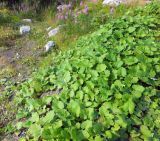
137	2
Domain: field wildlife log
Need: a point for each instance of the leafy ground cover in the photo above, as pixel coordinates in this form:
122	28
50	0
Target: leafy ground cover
105	88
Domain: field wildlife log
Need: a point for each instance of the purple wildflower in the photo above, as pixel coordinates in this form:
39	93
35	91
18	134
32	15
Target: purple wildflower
69	5
81	3
85	10
62	17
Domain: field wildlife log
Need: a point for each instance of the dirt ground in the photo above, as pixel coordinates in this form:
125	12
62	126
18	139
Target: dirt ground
17	59
19	55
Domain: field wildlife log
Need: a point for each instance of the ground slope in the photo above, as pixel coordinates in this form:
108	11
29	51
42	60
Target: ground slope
106	88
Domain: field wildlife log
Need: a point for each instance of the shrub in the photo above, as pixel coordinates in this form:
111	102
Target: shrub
106	88
6	17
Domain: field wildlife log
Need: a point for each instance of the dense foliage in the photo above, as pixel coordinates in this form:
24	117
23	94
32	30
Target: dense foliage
106	88
6	17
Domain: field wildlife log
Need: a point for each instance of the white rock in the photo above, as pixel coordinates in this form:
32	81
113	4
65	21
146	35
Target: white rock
25	29
17	55
19	74
53	32
49	45
27	20
112	2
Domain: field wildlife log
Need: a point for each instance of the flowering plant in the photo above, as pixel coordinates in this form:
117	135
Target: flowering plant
65	11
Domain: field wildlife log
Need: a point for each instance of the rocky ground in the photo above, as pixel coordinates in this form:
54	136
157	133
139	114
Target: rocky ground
19	56
18	53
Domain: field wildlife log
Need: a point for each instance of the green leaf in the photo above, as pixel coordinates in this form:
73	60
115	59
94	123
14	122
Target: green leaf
97	127
85	134
98	138
129	106
131	29
22	139
131	60
76	135
75	108
107	73
145	131
138	88
19	125
86	89
67	77
116	127
108	134
90	113
60	104
52	78
157	68
79	95
47	100
75	86
118	64
86	124
101	67
35	117
122	72
58	124
35	130
49	117
94	74
37	86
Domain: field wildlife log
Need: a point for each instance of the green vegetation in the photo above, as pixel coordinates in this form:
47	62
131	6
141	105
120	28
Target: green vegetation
101	82
18	59
105	88
73	28
7	20
7	17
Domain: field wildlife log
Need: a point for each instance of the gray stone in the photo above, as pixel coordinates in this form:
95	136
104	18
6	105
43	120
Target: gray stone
24	29
53	32
27	20
49	45
113	2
